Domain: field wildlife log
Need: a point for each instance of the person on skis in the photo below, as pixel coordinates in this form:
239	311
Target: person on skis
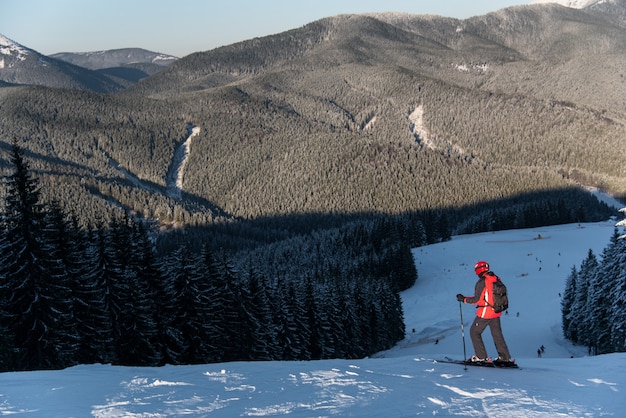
485	315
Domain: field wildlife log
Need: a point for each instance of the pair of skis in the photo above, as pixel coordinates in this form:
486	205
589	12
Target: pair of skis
487	363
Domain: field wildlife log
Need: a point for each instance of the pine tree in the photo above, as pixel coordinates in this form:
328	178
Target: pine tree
93	322
227	300
617	269
264	346
27	287
289	345
581	316
599	297
567	304
172	340
139	346
212	282
188	337
57	249
248	324
315	339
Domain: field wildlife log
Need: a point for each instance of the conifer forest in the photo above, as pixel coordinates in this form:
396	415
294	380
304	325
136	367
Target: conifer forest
112	293
263	200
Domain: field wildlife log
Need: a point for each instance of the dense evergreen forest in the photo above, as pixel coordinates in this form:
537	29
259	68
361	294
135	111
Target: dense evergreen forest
103	295
322	156
594	302
111	293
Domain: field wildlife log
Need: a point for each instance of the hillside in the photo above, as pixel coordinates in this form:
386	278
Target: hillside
404	381
22	65
351	114
99	60
125	66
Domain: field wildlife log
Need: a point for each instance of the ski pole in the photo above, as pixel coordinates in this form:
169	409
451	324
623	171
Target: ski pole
463	332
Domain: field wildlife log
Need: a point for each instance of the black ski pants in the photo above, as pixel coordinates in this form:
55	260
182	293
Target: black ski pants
476	332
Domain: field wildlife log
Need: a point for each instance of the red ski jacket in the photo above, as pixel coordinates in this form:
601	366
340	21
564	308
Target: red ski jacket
482	298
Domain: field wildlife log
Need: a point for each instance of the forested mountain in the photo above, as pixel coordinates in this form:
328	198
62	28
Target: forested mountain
126	66
100	60
326	152
22	65
396	112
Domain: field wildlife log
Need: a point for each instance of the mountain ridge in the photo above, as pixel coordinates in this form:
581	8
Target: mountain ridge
98	60
24	66
320	119
100	71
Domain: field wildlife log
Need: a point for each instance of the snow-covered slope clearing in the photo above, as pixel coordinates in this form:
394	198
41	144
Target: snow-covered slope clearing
405	381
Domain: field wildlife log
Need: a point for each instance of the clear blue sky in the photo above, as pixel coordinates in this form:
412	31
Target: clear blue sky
184	26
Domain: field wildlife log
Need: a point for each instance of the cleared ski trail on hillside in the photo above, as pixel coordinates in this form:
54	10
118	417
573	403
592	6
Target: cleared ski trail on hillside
174	180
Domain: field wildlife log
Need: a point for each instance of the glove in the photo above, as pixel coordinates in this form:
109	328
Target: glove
460	298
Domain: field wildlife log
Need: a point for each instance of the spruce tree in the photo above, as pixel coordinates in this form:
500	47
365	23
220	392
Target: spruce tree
93	322
228	304
215	324
57	252
581	315
264	345
567	304
139	344
27	284
600	295
187	330
290	347
616	267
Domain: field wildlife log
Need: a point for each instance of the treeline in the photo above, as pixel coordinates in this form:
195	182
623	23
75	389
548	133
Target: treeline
594	303
72	295
542	208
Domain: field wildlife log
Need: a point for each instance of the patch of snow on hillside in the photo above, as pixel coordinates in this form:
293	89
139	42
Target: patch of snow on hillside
177	169
575	4
464	68
8	47
417	127
163	57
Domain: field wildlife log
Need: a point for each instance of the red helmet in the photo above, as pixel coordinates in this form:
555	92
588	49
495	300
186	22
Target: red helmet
481	267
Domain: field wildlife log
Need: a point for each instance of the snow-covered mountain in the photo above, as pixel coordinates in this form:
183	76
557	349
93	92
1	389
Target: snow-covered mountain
11	52
125	66
98	60
576	4
613	11
101	71
22	65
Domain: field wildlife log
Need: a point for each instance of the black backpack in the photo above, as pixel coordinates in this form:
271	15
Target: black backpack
500	298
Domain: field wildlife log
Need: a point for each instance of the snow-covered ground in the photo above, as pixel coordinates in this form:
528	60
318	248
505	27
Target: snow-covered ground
176	171
401	382
576	4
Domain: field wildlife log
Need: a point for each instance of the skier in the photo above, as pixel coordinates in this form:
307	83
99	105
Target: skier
485	315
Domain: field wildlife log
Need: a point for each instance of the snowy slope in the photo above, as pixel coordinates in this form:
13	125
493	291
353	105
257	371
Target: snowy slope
9	48
404	381
576	4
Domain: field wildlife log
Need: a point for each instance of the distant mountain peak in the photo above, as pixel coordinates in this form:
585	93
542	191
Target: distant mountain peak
96	60
575	4
11	48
